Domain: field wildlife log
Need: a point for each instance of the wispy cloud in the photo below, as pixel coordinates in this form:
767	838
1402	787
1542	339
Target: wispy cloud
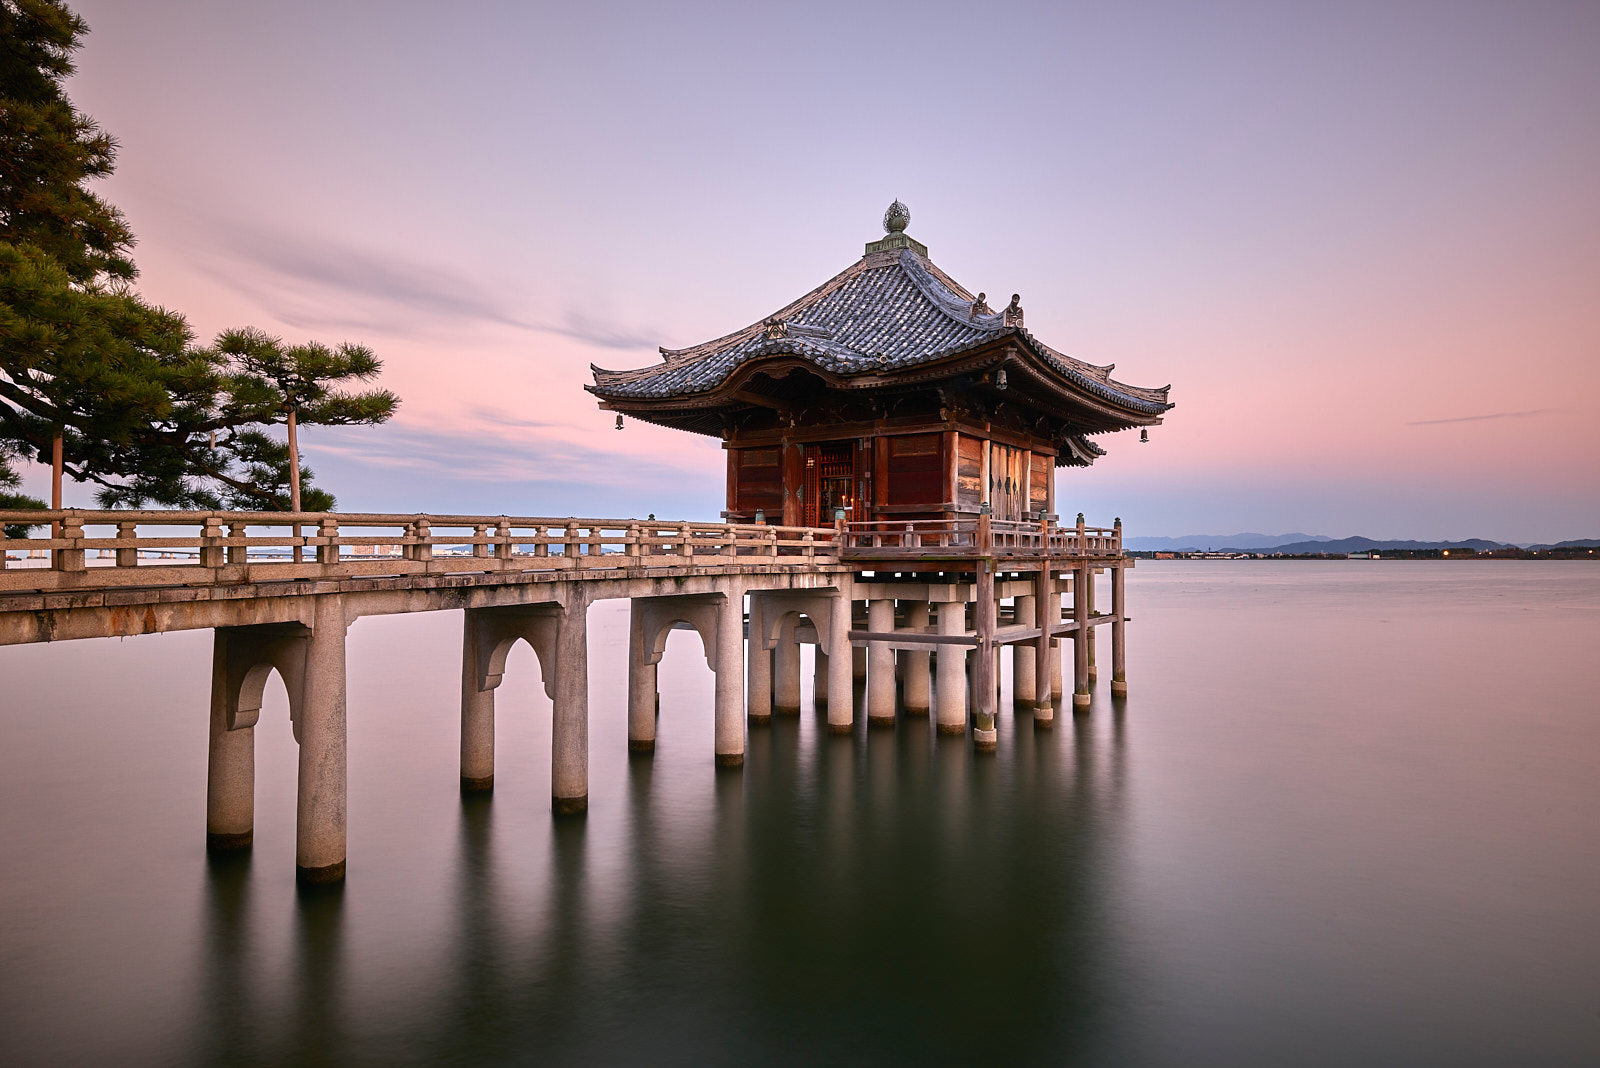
1531	413
313	284
489	454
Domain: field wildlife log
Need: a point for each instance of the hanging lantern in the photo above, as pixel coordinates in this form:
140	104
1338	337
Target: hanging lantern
619	420
1000	379
1144	435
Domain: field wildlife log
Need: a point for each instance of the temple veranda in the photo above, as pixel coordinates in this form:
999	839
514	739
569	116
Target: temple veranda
920	612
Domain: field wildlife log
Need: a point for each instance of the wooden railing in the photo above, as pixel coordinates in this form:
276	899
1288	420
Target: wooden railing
77	549
980	536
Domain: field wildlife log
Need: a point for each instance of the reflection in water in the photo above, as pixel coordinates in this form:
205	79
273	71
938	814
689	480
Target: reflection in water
1380	853
891	897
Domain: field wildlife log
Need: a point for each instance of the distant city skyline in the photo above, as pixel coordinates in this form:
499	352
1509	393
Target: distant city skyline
1361	243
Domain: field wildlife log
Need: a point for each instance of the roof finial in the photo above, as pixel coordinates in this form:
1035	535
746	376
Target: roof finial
896	218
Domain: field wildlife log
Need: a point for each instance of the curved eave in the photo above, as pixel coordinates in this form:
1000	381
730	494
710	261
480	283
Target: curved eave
1112	400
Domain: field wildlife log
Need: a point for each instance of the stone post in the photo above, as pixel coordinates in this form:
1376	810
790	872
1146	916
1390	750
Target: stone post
643	694
129	556
569	748
758	673
914	685
984	734
320	807
951	695
1094	675
729	659
819	679
71	559
230	765
1024	689
786	671
841	686
1044	600
1119	644
880	665
328	535
477	712
1057	687
1080	638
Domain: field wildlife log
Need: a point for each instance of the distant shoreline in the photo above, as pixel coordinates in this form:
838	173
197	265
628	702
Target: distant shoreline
1379	554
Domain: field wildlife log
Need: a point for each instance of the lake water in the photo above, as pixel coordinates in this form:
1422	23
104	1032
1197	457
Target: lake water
1349	814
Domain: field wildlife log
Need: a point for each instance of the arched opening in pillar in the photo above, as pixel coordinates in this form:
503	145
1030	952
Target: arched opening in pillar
523	712
684	685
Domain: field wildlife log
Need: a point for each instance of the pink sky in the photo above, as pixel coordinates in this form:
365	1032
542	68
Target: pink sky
1362	244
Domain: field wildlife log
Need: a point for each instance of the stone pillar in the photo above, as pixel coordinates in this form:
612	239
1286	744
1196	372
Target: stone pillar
841	687
1023	658
231	764
1119	645
1044	711
880	665
320	805
786	671
569	749
643	694
819	679
1094	675
1080	638
914	664
1057	687
477	713
758	673
729	660
951	695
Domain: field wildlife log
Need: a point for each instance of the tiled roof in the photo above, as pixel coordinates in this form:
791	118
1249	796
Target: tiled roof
887	311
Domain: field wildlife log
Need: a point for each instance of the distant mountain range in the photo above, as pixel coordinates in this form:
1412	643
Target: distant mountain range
1318	543
1205	543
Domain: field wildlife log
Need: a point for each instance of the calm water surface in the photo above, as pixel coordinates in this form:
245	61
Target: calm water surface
1350	814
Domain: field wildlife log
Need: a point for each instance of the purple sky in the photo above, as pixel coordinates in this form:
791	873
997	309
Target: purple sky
1362	241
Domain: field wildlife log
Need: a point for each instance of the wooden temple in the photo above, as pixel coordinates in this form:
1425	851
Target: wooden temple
890	392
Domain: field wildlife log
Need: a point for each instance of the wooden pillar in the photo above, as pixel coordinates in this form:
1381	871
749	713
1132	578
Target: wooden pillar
1119	645
786	671
320	802
914	664
477	712
1080	638
643	692
758	668
230	765
880	665
569	748
728	703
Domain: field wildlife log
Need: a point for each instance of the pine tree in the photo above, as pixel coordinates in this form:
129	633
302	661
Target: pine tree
95	381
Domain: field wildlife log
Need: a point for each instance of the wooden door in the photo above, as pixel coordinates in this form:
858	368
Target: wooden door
1006	465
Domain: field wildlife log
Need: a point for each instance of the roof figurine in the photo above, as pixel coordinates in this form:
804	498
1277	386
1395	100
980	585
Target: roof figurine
890	345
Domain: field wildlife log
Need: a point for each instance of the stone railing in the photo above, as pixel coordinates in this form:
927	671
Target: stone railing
74	549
